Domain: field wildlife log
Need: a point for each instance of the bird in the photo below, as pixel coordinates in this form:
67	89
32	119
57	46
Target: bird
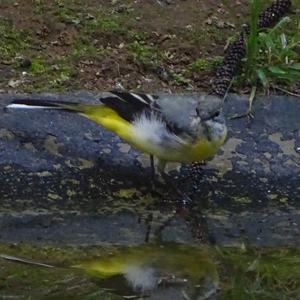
169	127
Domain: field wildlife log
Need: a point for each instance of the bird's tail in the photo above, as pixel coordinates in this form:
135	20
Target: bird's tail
26	103
99	113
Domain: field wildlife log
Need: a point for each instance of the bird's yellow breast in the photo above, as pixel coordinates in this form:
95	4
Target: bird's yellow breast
205	148
200	150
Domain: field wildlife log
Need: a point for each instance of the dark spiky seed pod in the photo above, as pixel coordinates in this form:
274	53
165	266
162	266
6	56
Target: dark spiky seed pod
226	71
237	44
233	56
220	89
236	50
272	14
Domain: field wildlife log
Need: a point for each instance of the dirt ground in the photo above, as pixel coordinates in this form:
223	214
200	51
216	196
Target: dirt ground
148	45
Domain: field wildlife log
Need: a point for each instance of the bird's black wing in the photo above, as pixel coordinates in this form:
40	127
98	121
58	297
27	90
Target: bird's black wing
129	105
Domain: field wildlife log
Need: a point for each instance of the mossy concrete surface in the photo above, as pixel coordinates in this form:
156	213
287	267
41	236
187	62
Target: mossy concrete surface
64	179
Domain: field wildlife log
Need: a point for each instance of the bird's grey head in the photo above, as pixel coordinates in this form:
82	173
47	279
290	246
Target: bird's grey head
209	116
209	107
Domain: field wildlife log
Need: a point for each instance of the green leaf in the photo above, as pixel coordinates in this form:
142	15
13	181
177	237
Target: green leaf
291	77
295	66
276	70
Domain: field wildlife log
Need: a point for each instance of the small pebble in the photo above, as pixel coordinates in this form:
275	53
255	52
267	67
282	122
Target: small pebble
25	63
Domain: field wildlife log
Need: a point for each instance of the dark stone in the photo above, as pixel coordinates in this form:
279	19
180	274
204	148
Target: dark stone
25	63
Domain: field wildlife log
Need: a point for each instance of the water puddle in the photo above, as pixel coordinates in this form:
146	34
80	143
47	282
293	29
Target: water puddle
164	271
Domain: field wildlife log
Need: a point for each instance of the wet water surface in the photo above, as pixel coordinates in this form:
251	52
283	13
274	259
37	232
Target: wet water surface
152	271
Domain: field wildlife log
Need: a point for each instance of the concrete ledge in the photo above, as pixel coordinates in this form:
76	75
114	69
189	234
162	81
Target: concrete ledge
58	163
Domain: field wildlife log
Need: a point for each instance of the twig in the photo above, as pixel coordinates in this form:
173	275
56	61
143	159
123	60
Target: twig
286	91
228	88
24	261
159	2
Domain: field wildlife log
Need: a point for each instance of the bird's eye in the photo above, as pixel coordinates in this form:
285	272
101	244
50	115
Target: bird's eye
216	114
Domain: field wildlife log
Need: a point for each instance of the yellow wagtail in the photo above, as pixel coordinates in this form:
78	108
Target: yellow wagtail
169	127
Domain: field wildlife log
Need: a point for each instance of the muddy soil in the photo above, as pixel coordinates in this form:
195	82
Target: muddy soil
100	45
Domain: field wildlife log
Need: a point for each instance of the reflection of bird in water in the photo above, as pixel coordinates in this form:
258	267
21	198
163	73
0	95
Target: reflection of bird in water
160	272
168	271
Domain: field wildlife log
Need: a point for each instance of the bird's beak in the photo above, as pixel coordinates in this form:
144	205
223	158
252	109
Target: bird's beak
205	117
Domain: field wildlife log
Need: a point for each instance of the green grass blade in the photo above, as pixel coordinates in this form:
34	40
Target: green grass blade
252	43
279	25
263	78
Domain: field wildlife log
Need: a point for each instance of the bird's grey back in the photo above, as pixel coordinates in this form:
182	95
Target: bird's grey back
178	109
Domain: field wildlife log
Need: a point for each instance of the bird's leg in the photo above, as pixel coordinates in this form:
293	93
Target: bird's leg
152	167
169	180
154	180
